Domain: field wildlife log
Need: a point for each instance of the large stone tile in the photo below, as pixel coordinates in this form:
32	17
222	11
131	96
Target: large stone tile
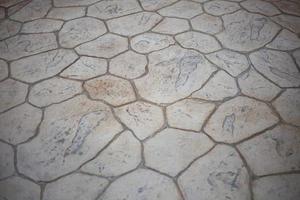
66	13
182	9
42	26
9	28
171	26
261	7
207	23
285	40
153	5
3	70
220	7
6	161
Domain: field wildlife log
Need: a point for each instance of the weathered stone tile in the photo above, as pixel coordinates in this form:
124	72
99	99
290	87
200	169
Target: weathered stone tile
142	118
142	184
6	161
296	55
153	5
66	13
68	137
8	28
285	40
182	9
289	7
207	23
290	22
3	70
42	26
9	3
238	119
16	7
41	66
66	3
113	90
261	7
189	114
121	156
219	7
171	26
220	174
2	13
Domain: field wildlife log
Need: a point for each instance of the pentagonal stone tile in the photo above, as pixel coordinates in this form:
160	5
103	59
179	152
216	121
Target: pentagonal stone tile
66	13
148	42
122	155
142	118
42	26
289	7
238	119
106	46
8	28
3	70
219	87
12	93
75	186
277	66
189	114
41	66
174	73
261	7
198	41
290	22
172	26
246	31
67	138
80	30
182	9
115	91
142	184
133	24
86	68
285	40
207	23
66	3
219	7
171	150
107	9
53	90
220	174
6	161
153	5
128	65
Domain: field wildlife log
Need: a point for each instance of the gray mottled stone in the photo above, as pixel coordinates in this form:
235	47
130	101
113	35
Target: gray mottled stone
9	3
6	161
153	5
261	7
286	40
182	9
66	13
290	22
296	55
2	13
42	26
289	7
3	70
8	28
207	23
172	26
219	7
66	3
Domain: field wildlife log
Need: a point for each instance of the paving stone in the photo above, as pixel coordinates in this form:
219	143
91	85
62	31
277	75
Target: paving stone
219	7
3	70
220	86
182	9
278	66
296	55
9	3
220	174
75	186
66	3
134	187
17	6
289	7
153	5
67	138
42	26
115	91
207	23
171	150
142	118
2	13
121	156
53	90
285	40
174	73
189	114
66	13
246	31
171	26
290	22
133	24
6	161
239	118
41	66
80	30
8	28
261	7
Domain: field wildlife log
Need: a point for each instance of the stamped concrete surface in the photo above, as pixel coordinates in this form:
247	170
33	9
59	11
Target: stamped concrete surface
149	99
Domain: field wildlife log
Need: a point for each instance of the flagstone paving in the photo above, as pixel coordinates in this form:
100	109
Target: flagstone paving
149	99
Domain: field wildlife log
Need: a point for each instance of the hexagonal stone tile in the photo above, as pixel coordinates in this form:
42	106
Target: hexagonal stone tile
246	31
219	7
142	184
115	91
66	13
220	86
172	150
261	7
278	66
289	7
207	23
189	114
105	46
128	65
67	138
80	30
182	9
142	118
171	26
221	174
121	156
67	3
41	66
153	5
148	42
174	73
239	118
75	186
8	28
285	40
86	68
12	93
290	22
42	26
3	70
6	161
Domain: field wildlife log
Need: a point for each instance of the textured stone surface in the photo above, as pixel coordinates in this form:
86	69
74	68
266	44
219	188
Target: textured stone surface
261	7
153	5
171	26
289	7
219	7
182	9
296	55
8	28
286	40
66	3
3	70
207	23
290	22
6	161
66	13
42	26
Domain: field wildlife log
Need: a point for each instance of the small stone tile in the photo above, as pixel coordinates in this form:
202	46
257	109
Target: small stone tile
261	7
42	26
152	5
182	9
6	161
66	13
285	40
207	23
9	28
171	26
220	7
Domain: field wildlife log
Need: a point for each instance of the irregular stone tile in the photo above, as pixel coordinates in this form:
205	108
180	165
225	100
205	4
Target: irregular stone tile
8	28
296	55
289	7
12	93
285	40
174	73
107	9
220	174
75	186
41	66
67	138
153	5
182	9
133	24
277	66
2	13
80	30
86	68
115	91
246	31
219	7
66	13
66	3
128	65
261	7
42	26
16	7
220	86
239	118
171	150
3	70
6	161
198	41
189	114
207	23
106	46
142	184
172	26
9	3
142	118
148	42
290	22
121	156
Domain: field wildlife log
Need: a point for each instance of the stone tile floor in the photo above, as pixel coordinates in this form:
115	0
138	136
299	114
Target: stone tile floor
149	100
